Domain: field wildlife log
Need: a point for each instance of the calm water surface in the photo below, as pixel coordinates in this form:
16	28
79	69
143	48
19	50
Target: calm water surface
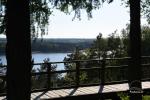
39	57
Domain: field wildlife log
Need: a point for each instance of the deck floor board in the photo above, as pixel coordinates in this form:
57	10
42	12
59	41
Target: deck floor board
82	91
3	98
91	90
61	93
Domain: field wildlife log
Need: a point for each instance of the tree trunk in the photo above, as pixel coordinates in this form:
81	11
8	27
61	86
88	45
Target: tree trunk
135	51
18	50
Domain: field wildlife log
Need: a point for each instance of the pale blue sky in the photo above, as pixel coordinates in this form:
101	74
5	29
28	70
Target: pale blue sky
105	20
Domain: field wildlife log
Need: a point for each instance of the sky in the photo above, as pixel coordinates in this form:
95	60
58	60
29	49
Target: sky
107	19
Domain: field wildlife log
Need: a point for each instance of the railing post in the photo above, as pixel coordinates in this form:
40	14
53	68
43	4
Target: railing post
32	64
77	73
48	76
103	72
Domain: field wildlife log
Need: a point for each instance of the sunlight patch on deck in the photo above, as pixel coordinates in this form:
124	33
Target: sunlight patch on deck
87	90
82	91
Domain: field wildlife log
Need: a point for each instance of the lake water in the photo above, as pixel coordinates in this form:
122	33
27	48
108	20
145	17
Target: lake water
39	57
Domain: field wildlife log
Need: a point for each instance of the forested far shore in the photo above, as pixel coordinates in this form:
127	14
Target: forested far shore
51	45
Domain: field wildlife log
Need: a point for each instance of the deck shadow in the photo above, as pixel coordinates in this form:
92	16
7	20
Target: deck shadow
73	91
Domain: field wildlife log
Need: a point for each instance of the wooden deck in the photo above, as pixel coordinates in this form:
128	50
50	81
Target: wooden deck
82	91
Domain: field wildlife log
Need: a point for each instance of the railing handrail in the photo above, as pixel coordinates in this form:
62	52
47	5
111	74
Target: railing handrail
86	60
102	68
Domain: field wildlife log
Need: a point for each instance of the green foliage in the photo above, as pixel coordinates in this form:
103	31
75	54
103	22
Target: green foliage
145	8
109	47
117	47
125	40
123	96
39	17
53	45
68	6
62	45
145	5
83	77
40	10
145	40
40	81
147	97
100	45
114	46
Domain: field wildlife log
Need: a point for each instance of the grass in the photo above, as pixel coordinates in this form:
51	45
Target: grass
146	97
124	96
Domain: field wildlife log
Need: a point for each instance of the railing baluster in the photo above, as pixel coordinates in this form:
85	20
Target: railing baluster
77	74
99	70
103	72
48	76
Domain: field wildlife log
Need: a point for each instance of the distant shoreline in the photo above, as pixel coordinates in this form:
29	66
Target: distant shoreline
2	54
35	52
54	45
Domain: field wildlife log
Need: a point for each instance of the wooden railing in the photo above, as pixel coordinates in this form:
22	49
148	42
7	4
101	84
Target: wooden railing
102	64
101	69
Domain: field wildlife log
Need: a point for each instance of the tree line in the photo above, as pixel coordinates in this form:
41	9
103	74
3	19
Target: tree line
38	10
53	45
114	46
